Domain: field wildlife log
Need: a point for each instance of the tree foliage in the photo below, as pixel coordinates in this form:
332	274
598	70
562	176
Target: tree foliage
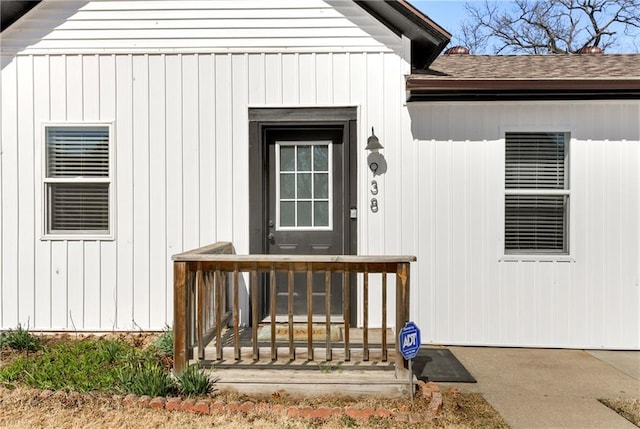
549	26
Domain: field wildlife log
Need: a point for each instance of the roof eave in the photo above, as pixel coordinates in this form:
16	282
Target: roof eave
13	10
428	39
433	89
528	85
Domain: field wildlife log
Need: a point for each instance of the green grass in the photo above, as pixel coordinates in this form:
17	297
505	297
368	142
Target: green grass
98	364
79	366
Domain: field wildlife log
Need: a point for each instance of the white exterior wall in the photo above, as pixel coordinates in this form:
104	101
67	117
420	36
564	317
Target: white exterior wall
464	289
180	117
180	112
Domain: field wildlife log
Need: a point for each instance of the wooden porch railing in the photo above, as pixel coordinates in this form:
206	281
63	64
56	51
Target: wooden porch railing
202	310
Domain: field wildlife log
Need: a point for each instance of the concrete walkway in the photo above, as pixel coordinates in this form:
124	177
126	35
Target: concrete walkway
542	388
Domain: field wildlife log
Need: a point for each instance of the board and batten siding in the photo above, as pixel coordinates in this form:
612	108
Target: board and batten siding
176	80
465	290
181	169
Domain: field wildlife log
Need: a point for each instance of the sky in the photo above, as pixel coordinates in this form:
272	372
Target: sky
449	14
446	13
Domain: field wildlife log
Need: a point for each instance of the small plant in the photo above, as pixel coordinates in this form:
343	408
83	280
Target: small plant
164	343
113	350
20	339
148	378
194	382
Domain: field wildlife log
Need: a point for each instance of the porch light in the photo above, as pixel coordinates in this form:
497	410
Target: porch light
373	144
376	161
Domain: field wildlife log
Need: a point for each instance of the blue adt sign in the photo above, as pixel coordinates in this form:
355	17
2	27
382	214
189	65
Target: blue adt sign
410	341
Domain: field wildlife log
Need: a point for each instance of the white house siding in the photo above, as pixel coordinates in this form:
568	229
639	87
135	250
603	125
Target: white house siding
464	290
145	26
181	150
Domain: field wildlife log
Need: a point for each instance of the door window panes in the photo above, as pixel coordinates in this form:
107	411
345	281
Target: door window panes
304	185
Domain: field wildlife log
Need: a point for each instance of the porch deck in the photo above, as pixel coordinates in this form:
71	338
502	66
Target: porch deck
289	351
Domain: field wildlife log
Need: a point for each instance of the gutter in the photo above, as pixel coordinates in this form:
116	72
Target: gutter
421	89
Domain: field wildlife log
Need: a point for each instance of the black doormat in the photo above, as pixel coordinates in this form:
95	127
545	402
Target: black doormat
440	365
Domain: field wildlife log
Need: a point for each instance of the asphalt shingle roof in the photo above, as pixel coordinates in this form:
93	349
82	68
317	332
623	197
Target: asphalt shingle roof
534	67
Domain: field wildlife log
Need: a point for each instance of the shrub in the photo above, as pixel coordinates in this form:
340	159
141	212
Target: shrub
20	339
195	382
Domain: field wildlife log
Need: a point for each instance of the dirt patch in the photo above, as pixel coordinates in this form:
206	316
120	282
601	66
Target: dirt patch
137	339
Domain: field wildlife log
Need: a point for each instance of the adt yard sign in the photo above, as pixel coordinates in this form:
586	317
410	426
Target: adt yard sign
409	339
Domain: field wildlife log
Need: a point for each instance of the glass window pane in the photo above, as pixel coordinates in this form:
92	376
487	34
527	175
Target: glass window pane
321	213
321	158
321	185
287	213
287	158
79	206
304	185
287	186
535	223
535	161
304	213
77	151
304	158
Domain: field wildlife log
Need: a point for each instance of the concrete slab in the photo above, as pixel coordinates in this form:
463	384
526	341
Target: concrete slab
541	388
625	361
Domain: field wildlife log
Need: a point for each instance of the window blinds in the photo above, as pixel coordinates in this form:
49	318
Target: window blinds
77	179
78	152
536	200
79	207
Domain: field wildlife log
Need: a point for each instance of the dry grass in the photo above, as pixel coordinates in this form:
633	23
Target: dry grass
23	408
627	408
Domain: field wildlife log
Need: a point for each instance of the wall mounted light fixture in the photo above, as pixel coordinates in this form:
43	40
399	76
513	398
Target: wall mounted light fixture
373	144
376	161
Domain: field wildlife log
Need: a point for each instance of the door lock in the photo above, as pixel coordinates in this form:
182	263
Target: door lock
271	236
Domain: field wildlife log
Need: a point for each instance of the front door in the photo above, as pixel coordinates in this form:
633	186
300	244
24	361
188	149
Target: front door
306	208
303	197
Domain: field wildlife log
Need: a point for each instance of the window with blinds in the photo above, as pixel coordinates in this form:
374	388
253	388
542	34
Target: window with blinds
77	180
536	193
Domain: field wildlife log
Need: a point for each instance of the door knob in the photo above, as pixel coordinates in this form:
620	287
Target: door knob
271	236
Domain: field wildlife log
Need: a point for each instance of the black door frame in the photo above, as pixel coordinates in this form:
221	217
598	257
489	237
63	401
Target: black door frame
263	119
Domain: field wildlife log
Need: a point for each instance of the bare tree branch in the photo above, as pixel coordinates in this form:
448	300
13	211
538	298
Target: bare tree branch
549	26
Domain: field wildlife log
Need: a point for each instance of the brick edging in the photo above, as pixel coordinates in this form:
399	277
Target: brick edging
213	406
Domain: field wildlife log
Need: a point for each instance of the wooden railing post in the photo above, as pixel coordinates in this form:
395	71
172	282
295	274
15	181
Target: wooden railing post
402	313
180	316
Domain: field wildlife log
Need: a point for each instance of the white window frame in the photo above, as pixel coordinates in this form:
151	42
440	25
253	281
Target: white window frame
46	181
329	227
565	254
